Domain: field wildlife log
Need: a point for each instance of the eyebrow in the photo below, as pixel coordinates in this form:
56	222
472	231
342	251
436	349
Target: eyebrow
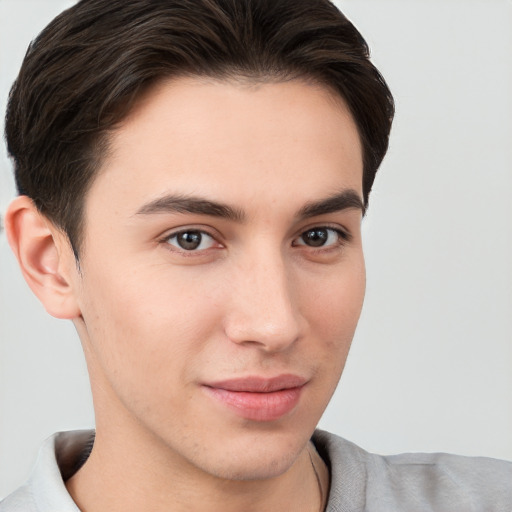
347	199
190	204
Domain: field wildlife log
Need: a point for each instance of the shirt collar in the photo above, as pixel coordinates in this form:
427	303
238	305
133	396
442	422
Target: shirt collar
59	457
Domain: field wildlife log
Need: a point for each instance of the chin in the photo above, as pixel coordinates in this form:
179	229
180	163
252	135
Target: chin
251	469
255	457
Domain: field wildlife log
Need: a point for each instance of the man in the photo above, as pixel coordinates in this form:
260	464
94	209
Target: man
192	178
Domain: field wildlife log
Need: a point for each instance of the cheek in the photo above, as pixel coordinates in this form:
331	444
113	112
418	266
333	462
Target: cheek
338	301
332	305
334	312
146	328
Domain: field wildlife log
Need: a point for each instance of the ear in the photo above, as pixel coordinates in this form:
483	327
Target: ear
45	257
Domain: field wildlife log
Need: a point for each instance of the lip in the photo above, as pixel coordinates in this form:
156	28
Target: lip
258	398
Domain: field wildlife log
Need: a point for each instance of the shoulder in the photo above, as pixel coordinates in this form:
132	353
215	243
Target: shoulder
414	481
22	500
45	491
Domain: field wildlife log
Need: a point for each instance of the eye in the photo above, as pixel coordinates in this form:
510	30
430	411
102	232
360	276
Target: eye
191	240
321	237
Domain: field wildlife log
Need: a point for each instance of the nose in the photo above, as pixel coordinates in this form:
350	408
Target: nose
264	304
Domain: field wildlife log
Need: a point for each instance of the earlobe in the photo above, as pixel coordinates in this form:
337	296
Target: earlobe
44	256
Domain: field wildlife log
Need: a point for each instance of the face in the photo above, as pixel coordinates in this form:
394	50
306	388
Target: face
222	272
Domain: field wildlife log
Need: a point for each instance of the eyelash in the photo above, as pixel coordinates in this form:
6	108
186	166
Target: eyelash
189	231
343	238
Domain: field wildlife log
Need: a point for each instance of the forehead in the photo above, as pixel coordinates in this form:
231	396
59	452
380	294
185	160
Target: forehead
231	141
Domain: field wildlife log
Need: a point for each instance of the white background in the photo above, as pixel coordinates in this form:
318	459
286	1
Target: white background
430	368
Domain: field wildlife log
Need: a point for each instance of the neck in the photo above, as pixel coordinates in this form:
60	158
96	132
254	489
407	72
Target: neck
119	477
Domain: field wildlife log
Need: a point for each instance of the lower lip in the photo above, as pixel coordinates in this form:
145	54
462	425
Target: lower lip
258	406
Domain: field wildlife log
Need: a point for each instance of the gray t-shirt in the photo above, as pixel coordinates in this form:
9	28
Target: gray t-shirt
360	481
412	482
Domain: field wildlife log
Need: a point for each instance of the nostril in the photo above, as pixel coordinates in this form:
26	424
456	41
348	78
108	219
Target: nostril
276	335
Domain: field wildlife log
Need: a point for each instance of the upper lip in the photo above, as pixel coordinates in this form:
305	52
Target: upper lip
256	384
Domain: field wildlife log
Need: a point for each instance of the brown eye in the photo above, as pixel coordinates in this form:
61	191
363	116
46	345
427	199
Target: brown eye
191	240
322	237
315	237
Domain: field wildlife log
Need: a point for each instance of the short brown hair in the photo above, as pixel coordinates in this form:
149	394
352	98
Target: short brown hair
82	74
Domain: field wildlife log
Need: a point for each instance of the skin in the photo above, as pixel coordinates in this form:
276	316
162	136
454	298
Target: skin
158	322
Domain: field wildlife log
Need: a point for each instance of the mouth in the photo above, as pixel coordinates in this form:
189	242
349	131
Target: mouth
257	398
